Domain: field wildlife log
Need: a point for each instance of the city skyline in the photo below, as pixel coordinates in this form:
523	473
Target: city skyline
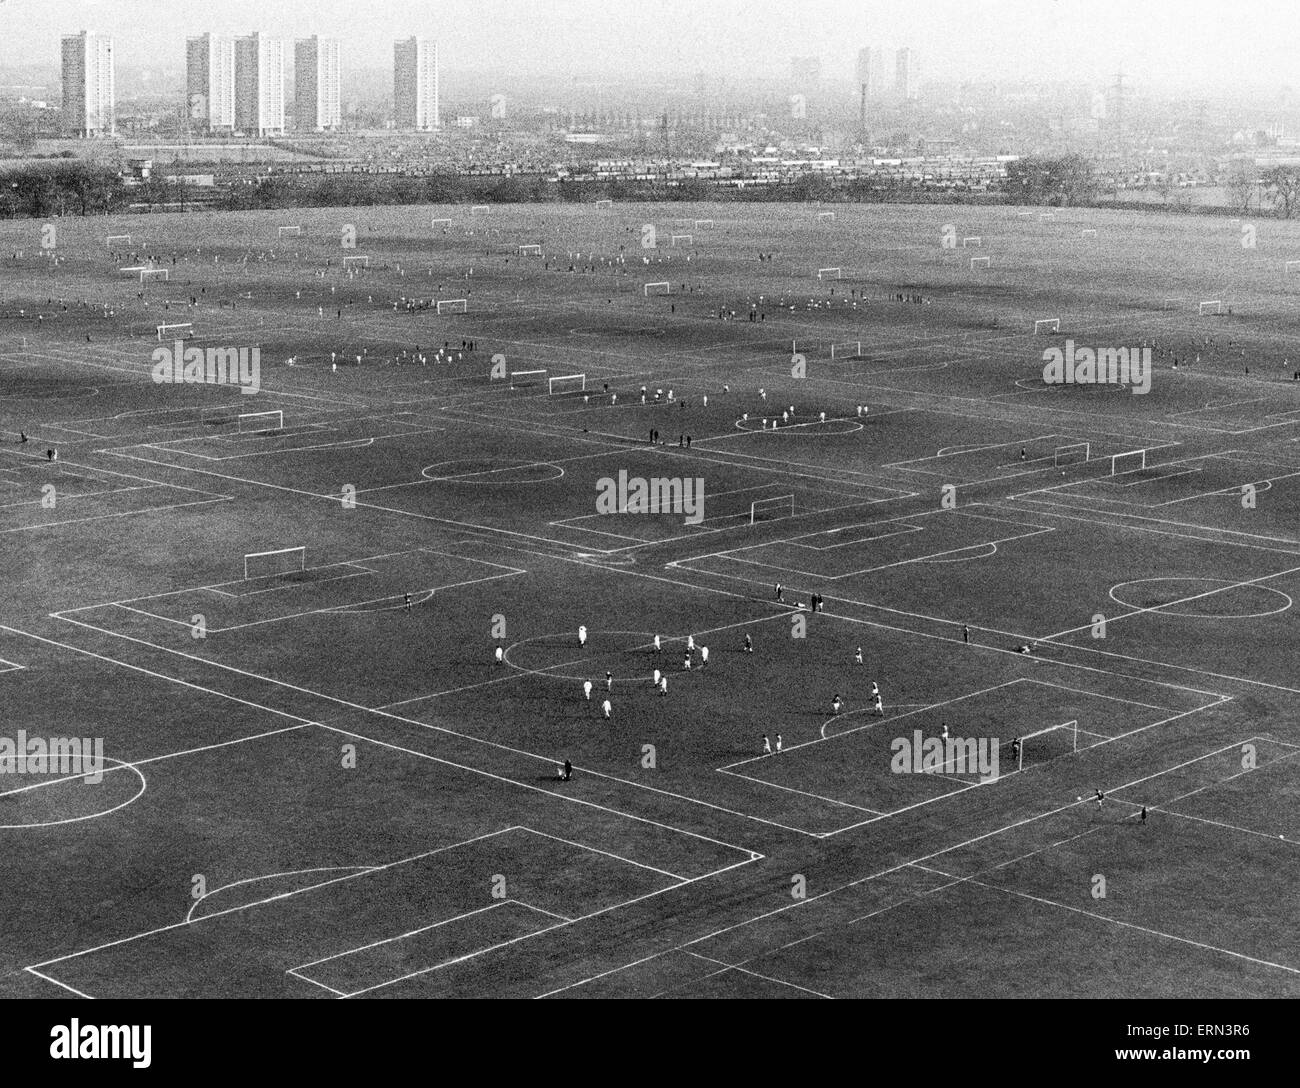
1072	41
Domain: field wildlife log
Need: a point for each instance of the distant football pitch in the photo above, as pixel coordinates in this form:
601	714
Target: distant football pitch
934	566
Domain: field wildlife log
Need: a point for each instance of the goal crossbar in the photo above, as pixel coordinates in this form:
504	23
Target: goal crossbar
979	261
1047	324
668	287
779	506
281	560
260	422
451	302
822	273
182	325
573	383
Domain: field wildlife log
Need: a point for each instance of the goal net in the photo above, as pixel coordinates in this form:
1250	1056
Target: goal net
849	349
1073	454
973	240
180	330
667	288
1132	461
1047	324
782	506
825	216
530	251
1041	746
155	273
567	383
260	422
353	262
1089	233
604	203
281	232
829	273
684	239
479	209
115	238
279	561
979	262
440	222
1214	306
453	305
703	223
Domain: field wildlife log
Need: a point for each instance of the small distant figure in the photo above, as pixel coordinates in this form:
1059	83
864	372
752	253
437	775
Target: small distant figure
944	731
52	455
663	685
704	656
658	645
655	679
686	662
858	655
767	746
690	644
22	438
406	601
778	743
1022	453
836	704
1099	796
749	644
606	708
609	680
582	636
1015	751
500	655
965	634
586	690
1142	819
780	592
880	706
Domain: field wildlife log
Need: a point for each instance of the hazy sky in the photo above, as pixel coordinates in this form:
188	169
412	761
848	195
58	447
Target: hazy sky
1156	41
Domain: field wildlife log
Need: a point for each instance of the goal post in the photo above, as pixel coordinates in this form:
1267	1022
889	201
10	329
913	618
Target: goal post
781	506
117	238
667	288
1089	232
825	217
180	330
566	383
973	240
260	422
604	203
835	273
1213	306
479	209
1047	324
446	223
295	230
272	563
703	223
1073	454
453	305
354	260
848	349
152	273
530	251
685	239
1130	461
979	262
1042	745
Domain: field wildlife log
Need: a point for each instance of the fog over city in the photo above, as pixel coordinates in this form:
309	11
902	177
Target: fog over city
1176	42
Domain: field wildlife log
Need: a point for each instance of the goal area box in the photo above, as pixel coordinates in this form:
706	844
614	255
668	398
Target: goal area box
275	563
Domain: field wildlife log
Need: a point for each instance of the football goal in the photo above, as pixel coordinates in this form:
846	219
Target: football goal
1047	324
134	268
479	209
114	238
703	223
830	273
526	377
566	383
979	262
180	330
825	217
604	203
440	223
283	232
782	506
155	273
667	288
1073	454
354	261
530	251
260	422
1089	232
1041	746
453	305
685	239
848	349
1214	306
1046	215
279	561
973	240
1132	461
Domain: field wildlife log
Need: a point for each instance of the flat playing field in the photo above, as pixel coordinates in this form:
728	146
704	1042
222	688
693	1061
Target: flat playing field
277	600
